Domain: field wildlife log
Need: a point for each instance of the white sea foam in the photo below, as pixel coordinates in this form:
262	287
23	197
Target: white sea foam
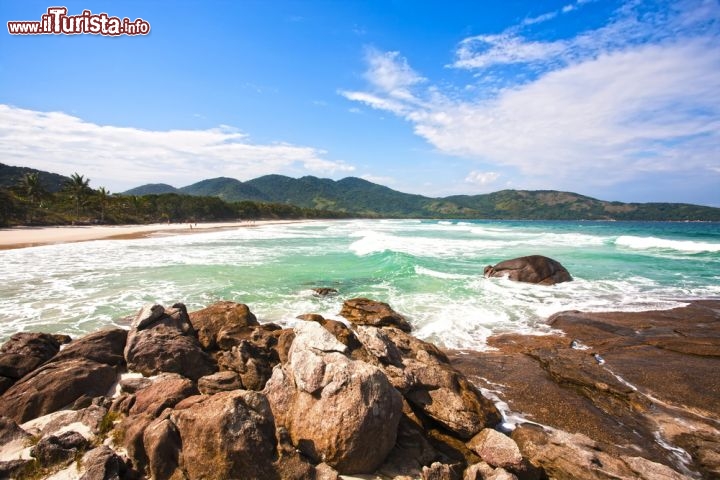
434	273
645	243
373	241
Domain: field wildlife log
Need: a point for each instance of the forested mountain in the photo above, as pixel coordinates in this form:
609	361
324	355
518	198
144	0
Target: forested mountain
229	189
11	176
363	198
325	197
152	189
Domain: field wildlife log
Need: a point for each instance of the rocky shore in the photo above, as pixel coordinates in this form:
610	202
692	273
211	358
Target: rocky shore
214	394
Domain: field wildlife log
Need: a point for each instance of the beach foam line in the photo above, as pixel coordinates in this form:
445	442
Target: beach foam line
647	243
21	237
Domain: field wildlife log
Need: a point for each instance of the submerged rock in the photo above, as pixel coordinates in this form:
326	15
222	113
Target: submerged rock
324	291
531	269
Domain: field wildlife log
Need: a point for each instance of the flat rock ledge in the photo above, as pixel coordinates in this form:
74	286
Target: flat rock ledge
217	394
618	395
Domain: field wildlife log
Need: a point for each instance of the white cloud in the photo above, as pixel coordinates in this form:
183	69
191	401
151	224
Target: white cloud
390	73
377	102
482	179
123	157
635	23
602	110
540	18
483	51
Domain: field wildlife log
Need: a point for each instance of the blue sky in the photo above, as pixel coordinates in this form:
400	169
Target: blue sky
619	100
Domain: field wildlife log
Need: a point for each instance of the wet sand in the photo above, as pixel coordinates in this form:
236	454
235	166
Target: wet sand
21	237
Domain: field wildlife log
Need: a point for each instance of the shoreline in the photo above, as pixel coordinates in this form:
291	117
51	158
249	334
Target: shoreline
24	237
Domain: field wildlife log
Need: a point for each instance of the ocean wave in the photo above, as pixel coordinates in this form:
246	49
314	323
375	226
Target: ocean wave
652	243
434	273
372	241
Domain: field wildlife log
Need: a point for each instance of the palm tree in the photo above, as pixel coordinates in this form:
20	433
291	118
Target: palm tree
33	190
103	199
78	187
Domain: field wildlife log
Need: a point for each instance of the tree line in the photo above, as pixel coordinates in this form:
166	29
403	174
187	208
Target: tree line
76	203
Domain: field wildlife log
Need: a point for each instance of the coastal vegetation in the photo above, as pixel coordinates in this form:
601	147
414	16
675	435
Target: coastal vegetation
32	197
37	199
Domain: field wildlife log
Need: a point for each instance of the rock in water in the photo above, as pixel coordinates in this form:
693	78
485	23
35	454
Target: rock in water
324	291
531	269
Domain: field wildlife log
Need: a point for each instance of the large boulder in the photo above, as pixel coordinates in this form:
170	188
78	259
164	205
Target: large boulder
57	385
252	364
62	448
220	324
363	311
105	346
166	391
224	381
337	410
430	384
161	440
102	463
163	340
496	449
23	353
226	435
531	269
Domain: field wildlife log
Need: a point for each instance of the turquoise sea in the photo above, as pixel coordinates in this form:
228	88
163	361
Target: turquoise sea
429	270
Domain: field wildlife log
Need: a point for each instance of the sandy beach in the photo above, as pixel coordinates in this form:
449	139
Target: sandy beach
21	237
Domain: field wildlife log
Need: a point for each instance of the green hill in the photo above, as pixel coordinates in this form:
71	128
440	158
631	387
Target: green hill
152	189
229	189
350	194
555	205
11	176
